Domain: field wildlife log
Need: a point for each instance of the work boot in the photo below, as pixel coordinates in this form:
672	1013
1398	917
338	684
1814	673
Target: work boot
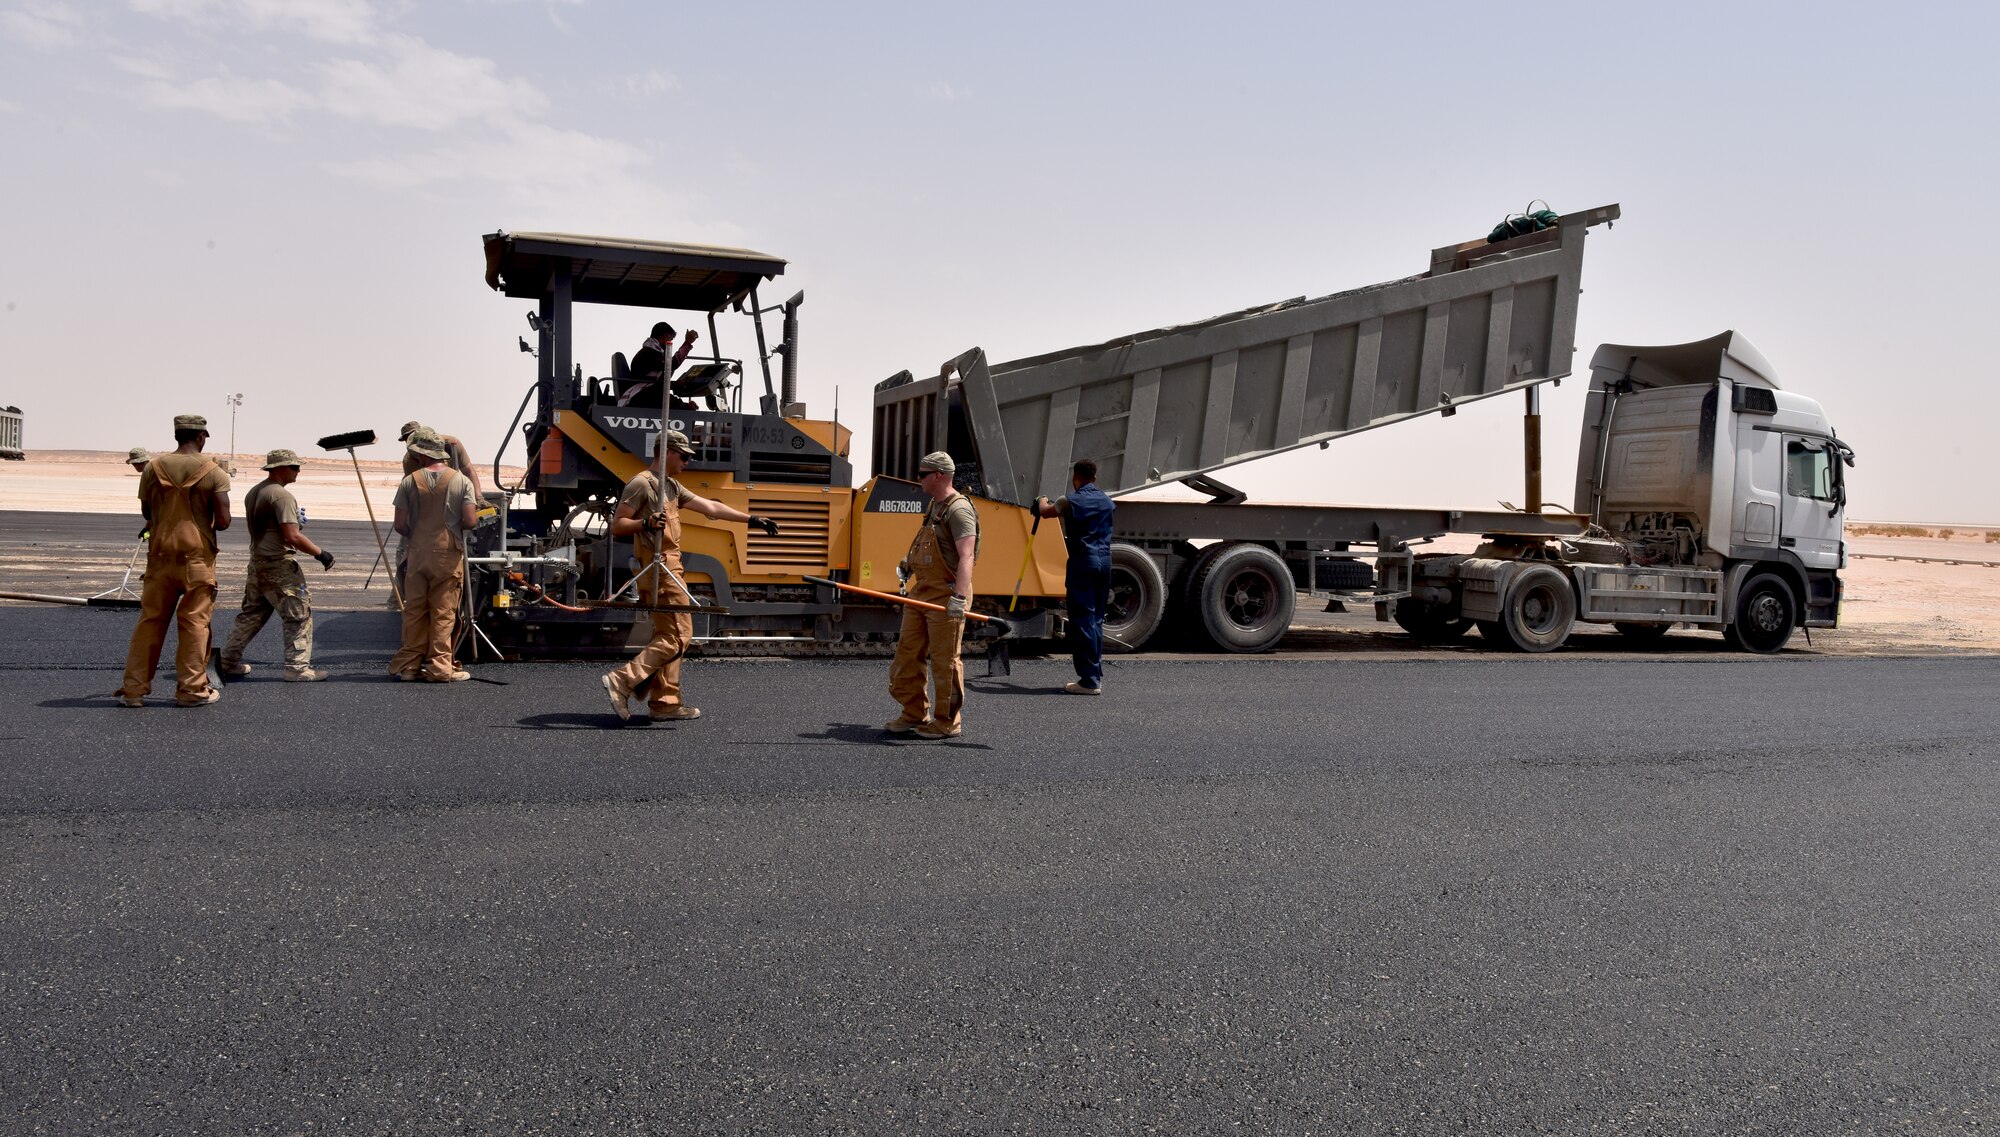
405	676
236	670
1079	687
904	724
937	731
305	675
205	698
131	701
675	714
448	677
621	700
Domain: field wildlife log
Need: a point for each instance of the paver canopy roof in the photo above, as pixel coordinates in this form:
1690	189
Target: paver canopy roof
619	270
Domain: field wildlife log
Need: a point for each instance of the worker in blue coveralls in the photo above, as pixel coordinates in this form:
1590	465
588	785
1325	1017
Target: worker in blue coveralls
1086	523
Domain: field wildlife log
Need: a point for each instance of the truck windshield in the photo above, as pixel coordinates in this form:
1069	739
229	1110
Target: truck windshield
1808	470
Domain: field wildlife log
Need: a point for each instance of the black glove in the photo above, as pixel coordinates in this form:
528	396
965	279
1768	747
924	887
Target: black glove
657	522
146	532
324	558
769	526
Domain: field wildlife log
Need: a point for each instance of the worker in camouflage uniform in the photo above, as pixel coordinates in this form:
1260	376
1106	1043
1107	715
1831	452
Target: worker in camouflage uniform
138	458
276	583
650	514
185	496
937	569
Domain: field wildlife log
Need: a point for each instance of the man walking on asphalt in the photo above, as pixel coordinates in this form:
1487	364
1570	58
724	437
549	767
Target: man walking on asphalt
276	583
939	570
1086	521
650	514
185	497
434	508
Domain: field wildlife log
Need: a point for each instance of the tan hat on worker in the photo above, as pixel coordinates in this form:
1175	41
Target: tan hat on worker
190	422
138	454
938	460
678	441
428	444
277	458
409	428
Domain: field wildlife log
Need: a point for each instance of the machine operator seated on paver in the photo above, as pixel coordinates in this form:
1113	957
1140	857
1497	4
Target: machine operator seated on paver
706	381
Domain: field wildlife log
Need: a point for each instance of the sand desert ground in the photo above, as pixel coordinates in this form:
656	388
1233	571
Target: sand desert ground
1903	595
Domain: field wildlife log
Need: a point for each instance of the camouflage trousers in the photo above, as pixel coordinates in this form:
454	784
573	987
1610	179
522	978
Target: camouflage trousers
274	586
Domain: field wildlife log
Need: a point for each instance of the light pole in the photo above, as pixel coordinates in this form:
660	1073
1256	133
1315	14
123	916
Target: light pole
234	401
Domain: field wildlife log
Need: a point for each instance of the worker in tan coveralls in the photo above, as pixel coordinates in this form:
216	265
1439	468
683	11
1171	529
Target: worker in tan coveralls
457	457
276	583
651	516
434	507
938	569
185	497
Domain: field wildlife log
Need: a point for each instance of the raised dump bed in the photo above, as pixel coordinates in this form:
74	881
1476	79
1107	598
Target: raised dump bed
1175	403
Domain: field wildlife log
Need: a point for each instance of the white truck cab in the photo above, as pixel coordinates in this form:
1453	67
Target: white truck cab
1698	463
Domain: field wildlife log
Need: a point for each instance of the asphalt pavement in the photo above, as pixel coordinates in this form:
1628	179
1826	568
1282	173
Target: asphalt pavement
1468	893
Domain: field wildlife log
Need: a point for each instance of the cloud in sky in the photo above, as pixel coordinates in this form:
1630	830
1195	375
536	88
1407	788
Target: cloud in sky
427	88
331	21
367	70
649	84
42	25
229	97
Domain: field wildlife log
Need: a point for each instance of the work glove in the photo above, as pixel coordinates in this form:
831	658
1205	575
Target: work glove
769	526
325	560
902	580
146	532
657	522
956	606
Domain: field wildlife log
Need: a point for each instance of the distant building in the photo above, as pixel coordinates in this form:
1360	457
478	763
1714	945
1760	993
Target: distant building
10	434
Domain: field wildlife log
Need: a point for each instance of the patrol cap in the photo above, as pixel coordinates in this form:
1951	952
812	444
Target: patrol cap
409	428
190	422
428	444
938	460
277	458
138	454
678	441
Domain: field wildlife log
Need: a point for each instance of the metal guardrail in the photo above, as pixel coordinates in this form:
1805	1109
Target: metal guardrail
1921	560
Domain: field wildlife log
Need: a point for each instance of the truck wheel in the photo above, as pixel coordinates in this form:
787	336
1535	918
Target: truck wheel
1539	611
1245	597
1138	602
1764	616
1643	633
1430	623
1345	576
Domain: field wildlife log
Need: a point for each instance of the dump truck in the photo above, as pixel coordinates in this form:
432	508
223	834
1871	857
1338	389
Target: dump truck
1707	495
1695	467
11	443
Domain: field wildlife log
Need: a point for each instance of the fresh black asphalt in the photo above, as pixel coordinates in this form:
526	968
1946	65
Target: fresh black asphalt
1467	894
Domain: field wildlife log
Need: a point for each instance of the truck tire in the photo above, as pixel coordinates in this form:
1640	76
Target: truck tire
1244	596
1643	633
1430	623
1539	611
1765	616
1344	575
1138	603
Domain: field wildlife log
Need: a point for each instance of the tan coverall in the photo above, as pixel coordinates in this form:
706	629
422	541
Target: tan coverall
434	577
179	585
932	638
656	671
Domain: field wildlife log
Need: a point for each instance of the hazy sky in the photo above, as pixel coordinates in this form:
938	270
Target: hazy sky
285	198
